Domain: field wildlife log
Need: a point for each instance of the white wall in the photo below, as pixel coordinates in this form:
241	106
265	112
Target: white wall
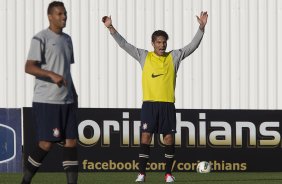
236	66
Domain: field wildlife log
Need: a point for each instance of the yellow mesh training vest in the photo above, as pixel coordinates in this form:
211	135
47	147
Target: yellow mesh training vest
158	78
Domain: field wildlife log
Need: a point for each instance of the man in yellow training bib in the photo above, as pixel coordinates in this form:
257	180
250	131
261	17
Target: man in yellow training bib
159	70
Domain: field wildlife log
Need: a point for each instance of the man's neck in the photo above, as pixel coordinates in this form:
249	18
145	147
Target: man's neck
56	30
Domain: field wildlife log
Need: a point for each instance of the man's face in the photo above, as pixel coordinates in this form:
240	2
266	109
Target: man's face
58	17
159	45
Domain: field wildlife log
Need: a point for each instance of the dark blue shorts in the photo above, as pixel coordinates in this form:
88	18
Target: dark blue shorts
55	122
158	117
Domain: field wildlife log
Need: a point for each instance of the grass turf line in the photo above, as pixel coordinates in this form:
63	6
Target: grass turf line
152	177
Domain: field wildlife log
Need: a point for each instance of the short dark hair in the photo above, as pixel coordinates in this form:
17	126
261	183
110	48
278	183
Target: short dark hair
159	33
53	5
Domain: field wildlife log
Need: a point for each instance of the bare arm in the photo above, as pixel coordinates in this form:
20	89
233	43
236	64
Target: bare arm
32	69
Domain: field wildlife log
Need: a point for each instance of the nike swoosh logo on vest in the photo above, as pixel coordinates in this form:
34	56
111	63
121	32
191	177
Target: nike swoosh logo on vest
157	75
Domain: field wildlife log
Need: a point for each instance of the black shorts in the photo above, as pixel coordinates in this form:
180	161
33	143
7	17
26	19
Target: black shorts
158	117
55	122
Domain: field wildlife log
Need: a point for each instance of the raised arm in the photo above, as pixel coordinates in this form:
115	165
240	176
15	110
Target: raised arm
136	53
181	54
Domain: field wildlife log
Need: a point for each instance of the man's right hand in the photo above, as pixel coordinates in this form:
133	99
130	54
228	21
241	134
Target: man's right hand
58	79
31	67
107	21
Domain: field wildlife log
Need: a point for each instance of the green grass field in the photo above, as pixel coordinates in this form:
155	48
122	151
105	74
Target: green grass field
152	177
